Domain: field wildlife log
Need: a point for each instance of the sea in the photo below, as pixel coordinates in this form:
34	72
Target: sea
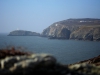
65	51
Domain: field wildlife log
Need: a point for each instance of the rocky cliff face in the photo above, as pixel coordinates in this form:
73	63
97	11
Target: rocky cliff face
81	29
86	33
23	33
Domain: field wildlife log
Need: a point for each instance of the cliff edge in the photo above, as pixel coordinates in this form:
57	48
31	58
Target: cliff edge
80	29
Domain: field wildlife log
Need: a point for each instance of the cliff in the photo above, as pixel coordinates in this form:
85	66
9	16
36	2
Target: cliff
86	33
81	29
23	33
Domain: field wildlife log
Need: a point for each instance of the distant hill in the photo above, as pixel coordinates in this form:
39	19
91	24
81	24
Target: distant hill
80	29
23	33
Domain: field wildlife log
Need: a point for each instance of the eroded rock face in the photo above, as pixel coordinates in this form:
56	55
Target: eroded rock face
64	34
86	33
58	31
80	29
96	34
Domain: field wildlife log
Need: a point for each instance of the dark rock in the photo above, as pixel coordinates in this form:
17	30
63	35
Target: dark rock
95	61
64	34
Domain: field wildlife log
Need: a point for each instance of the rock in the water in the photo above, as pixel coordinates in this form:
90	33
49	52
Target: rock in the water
23	33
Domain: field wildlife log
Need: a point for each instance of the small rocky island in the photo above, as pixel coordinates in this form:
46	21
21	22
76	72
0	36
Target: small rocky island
23	33
80	29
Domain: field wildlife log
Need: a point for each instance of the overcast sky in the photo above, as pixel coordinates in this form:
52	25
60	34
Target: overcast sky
36	15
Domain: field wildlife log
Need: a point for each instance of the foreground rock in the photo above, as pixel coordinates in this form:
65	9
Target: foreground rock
94	61
80	29
43	64
11	52
23	33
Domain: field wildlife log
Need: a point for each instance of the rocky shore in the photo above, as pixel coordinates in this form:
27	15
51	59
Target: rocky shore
14	62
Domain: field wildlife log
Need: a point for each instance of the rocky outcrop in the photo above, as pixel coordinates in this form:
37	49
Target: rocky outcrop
81	29
44	64
23	33
84	69
12	52
95	61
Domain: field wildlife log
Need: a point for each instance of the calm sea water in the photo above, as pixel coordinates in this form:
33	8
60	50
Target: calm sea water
66	51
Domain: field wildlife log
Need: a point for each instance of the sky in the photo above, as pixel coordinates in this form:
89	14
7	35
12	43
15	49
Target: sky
36	15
